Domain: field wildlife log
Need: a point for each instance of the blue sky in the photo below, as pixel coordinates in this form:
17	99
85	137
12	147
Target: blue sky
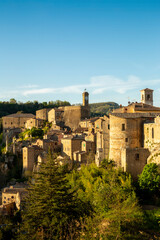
53	49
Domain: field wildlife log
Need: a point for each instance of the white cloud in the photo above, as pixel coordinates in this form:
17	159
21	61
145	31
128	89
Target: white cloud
29	86
96	85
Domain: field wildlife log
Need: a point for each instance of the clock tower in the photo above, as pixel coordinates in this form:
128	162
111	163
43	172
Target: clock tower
85	96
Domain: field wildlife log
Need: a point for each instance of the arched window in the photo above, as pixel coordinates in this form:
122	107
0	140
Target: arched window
148	97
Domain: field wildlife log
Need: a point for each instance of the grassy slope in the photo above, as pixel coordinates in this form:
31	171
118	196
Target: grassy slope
103	108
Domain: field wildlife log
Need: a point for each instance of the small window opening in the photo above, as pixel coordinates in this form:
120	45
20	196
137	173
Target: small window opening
148	97
123	127
152	132
137	156
126	140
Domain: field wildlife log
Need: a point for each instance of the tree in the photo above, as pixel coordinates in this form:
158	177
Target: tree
112	197
149	179
52	209
13	101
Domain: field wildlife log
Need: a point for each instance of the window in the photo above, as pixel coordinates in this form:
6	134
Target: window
108	126
152	132
148	97
137	156
126	140
12	197
123	127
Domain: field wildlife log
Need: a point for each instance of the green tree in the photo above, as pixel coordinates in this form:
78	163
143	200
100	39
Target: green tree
112	197
13	101
149	179
52	209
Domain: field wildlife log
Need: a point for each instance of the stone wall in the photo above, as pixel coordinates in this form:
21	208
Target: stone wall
16	120
124	133
74	114
43	113
133	160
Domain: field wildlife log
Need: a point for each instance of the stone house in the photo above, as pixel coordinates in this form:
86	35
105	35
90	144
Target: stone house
13	195
43	113
30	155
17	120
70	144
33	122
55	116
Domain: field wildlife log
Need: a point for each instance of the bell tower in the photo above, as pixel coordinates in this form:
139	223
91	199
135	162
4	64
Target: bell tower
147	96
85	96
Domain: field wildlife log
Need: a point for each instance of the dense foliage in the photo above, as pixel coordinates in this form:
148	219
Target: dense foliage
13	106
31	133
101	109
53	210
97	203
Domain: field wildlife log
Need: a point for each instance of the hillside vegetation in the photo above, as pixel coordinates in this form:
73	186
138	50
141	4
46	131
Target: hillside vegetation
103	108
12	106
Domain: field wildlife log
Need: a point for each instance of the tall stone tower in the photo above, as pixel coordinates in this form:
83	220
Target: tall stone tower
147	96
85	98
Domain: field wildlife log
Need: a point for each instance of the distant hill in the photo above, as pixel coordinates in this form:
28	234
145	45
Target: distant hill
103	108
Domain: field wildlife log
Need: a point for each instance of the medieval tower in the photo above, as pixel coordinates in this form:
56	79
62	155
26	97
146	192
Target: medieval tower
147	96
85	97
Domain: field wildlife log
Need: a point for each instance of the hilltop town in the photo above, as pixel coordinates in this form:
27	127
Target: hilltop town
128	135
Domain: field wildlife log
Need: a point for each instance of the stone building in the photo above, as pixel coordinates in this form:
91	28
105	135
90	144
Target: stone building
74	114
47	144
133	130
152	140
55	116
33	122
133	160
147	96
43	113
30	155
102	131
17	120
13	195
71	144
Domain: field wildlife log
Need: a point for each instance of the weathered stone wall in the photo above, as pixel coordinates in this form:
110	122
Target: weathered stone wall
29	157
15	121
133	160
43	113
124	133
151	133
74	114
70	145
33	122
